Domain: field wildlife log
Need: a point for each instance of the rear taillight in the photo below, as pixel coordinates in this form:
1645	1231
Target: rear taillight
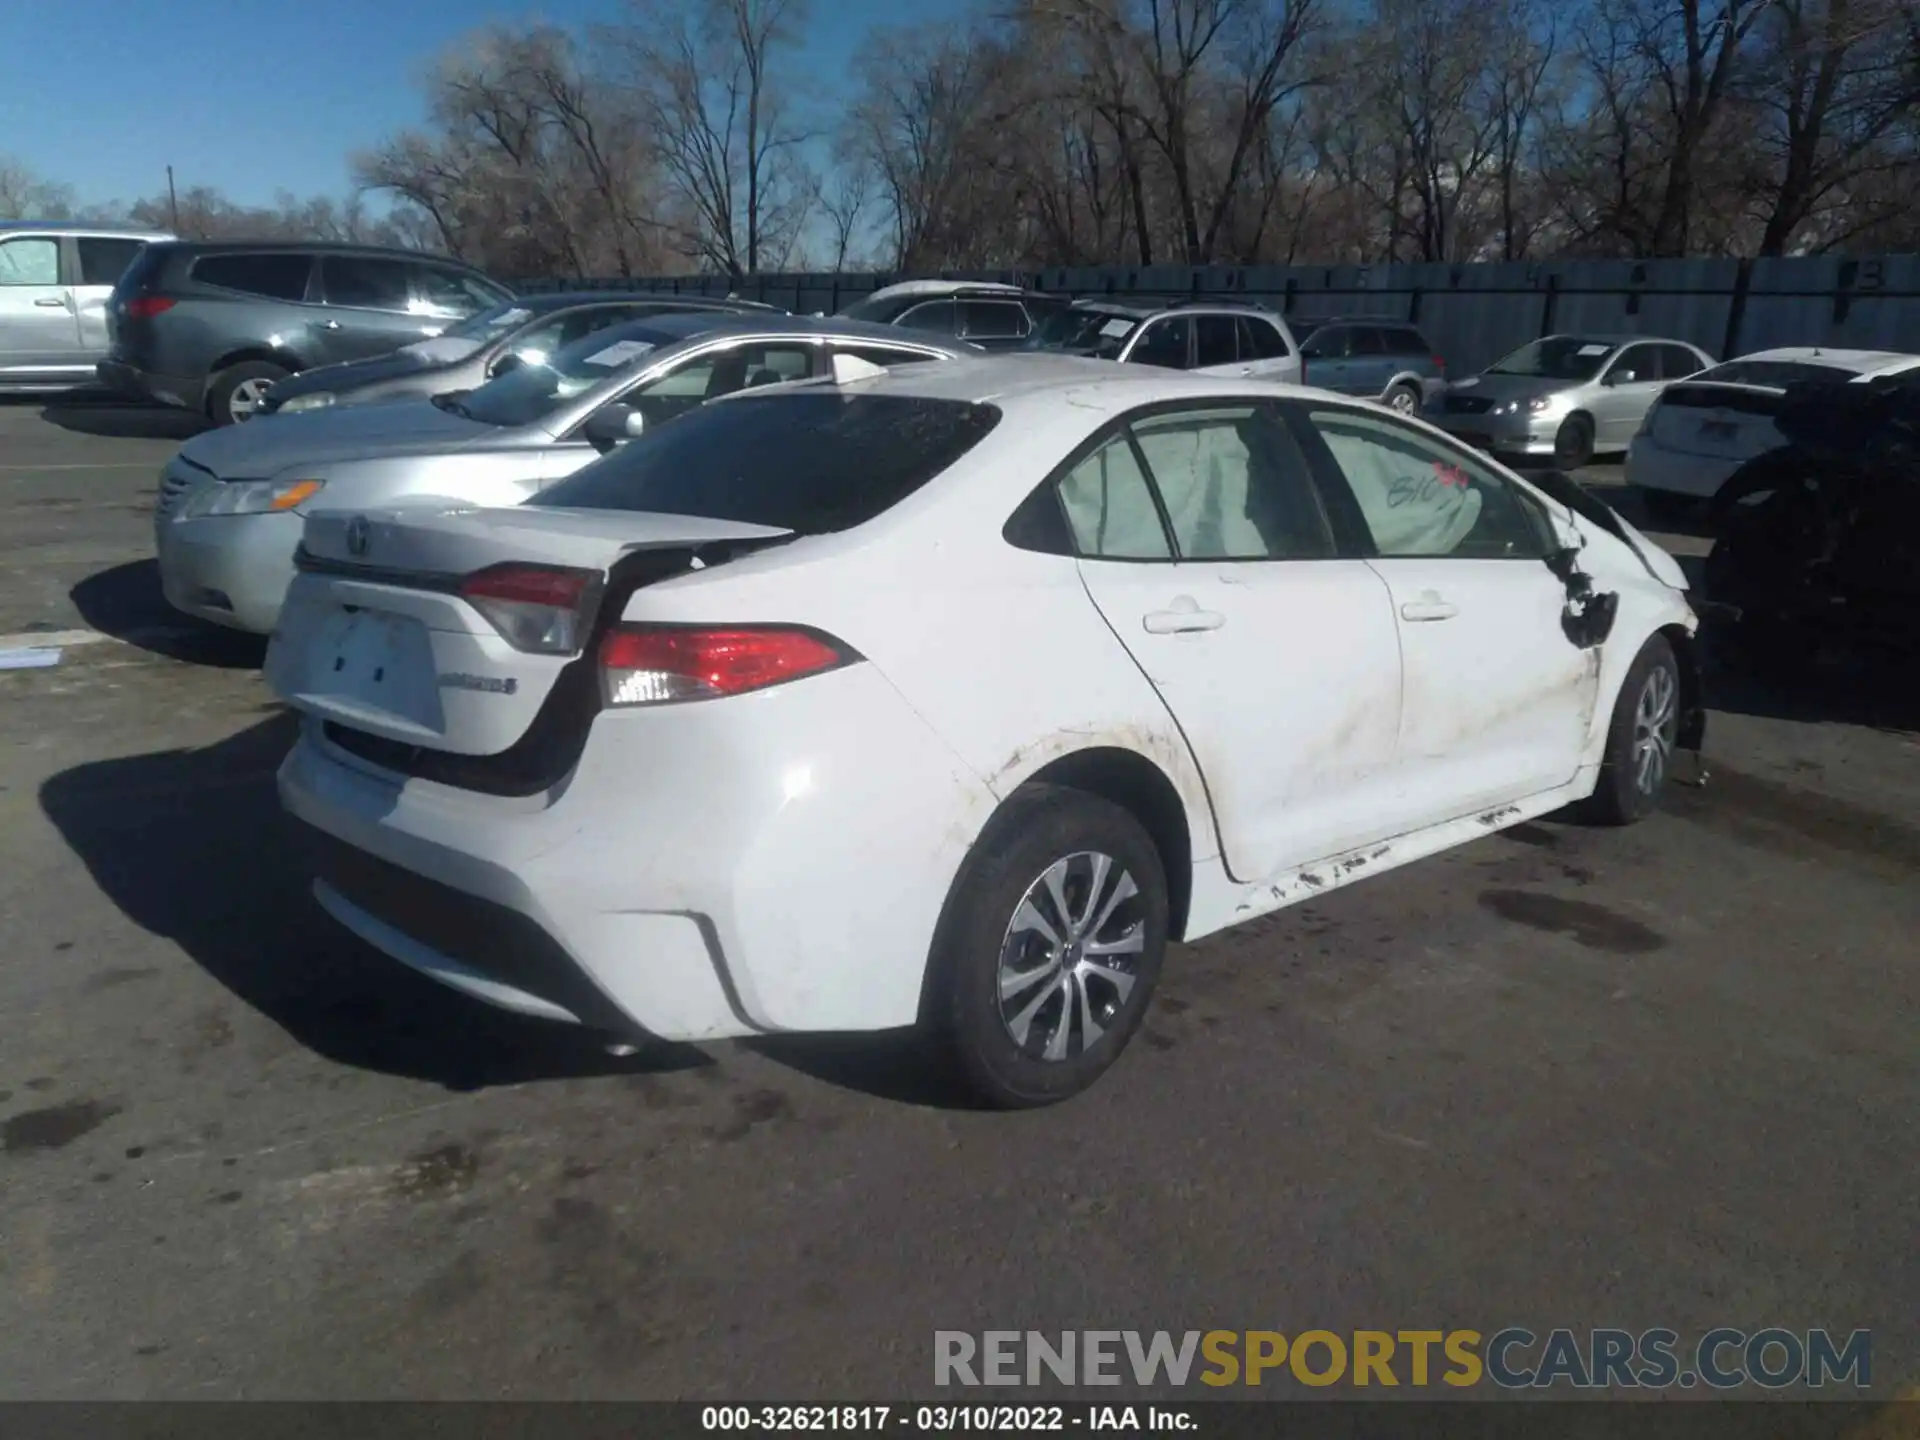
145	307
655	664
542	609
1439	364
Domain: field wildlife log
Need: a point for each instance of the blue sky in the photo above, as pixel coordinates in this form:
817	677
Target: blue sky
274	95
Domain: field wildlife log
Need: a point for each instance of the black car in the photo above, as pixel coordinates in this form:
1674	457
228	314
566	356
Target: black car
515	332
994	317
209	327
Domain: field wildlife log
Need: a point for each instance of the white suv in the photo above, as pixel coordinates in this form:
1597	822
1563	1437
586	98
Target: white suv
54	282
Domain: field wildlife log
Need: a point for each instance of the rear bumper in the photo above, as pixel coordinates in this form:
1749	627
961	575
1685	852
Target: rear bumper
233	570
1652	466
185	392
774	863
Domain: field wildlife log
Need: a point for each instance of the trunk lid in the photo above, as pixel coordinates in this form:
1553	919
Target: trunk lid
377	637
1726	422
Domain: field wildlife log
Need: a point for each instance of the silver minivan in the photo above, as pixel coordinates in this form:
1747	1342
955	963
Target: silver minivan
55	277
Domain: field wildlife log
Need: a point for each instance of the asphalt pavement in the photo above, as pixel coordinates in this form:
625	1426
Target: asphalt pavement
1560	1077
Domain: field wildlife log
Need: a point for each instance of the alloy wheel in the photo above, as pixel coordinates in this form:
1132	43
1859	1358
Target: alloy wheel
246	398
1067	962
1655	719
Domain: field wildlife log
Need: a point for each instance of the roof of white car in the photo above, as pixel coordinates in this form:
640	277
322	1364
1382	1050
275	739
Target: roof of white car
1864	362
1013	378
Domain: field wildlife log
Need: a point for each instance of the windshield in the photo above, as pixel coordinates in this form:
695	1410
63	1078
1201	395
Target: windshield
809	463
1558	357
530	392
488	324
1099	333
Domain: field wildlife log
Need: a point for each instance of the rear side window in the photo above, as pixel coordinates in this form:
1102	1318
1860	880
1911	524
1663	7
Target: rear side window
365	282
445	291
1406	342
1367	340
802	462
276	276
937	316
104	259
145	269
1164	343
1677	363
882	355
993	319
1260	340
1215	340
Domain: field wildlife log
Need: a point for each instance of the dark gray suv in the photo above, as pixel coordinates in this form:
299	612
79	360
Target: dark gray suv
209	327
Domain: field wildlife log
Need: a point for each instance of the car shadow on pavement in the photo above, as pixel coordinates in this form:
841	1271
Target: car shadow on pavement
190	845
896	1065
122	419
126	603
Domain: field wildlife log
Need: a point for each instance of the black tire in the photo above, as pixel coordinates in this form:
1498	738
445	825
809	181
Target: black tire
1040	827
1573	445
1665	505
1621	797
1402	399
227	389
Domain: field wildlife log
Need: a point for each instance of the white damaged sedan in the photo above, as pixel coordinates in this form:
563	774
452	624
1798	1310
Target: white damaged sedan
950	696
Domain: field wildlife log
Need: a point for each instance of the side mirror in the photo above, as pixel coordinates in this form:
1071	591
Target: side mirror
612	424
505	365
1622	377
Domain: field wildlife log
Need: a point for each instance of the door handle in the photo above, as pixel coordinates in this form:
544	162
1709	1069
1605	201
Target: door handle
49	302
1430	608
1182	617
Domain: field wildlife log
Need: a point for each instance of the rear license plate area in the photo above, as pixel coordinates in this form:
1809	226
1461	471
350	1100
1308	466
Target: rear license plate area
376	663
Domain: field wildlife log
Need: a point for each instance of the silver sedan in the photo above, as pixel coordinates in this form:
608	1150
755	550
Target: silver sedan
233	502
1570	397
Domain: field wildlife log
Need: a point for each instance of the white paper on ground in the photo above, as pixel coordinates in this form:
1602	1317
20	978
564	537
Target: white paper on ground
35	659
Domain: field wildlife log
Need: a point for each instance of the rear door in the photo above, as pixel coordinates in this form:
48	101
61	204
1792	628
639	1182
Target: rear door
1327	360
39	329
1498	703
103	260
1627	390
1203	543
1373	363
369	307
1264	349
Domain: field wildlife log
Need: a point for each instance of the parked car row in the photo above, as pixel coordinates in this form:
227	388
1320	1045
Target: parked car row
655	670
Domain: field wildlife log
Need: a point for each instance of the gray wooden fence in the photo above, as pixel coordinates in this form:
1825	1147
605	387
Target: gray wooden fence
1473	314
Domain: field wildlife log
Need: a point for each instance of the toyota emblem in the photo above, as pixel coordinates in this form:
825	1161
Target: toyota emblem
359	535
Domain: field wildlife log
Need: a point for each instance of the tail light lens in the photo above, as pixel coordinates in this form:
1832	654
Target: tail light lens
657	664
1439	364
145	307
541	609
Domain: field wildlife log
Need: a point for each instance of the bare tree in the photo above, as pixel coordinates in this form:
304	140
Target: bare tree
845	198
709	78
25	195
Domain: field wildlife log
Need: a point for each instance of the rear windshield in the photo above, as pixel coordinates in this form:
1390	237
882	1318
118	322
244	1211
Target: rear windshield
810	463
143	272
